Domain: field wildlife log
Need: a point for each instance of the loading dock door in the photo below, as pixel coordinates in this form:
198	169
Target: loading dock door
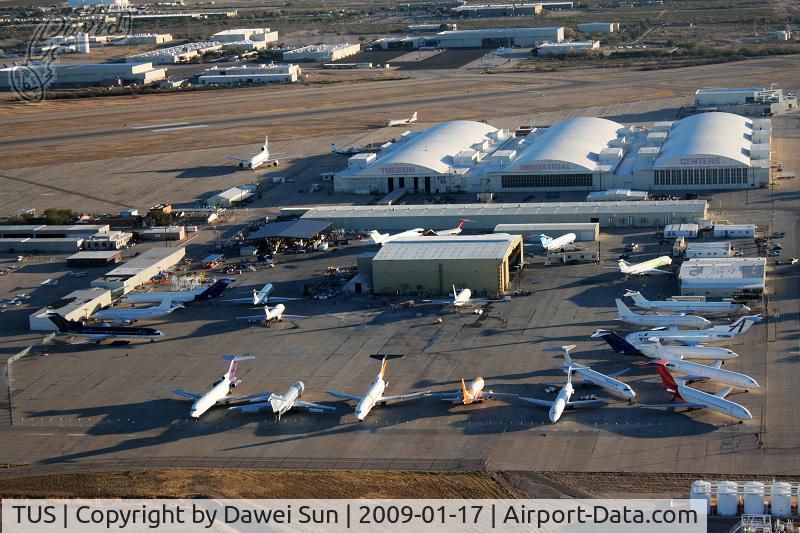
416	184
390	184
427	184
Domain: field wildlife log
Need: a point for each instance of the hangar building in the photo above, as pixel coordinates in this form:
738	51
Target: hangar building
723	277
432	265
484	217
701	152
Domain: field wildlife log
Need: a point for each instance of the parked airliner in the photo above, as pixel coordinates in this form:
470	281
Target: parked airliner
604	381
699	336
200	294
281	403
563	400
102	332
219	394
262	297
713	372
686	306
654	349
649	267
626	315
139	313
558	244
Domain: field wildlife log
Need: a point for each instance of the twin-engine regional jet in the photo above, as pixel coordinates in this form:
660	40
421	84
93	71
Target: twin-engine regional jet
374	395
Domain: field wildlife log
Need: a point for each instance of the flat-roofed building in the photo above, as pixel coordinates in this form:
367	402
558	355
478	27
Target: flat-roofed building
140	270
708	249
77	305
432	265
723	277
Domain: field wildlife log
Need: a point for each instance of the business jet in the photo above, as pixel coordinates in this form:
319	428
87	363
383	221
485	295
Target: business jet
219	393
200	294
698	336
690	398
668	321
461	298
382	238
472	393
563	400
686	306
713	372
262	297
132	315
374	395
49	282
353	150
649	267
558	244
607	382
654	349
101	333
270	315
260	158
452	232
280	404
402	122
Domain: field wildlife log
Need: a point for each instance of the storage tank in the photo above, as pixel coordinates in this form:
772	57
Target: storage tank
754	497
701	490
781	501
727	498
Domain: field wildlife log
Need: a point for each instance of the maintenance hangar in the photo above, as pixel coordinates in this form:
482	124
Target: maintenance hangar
498	37
585	232
723	277
485	217
139	270
432	265
708	249
96	258
77	305
710	151
289	233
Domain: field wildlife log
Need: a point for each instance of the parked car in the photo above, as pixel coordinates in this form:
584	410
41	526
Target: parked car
778	234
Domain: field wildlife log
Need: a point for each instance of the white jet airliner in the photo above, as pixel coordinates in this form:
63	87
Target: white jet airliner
563	400
690	398
667	321
403	121
472	393
697	336
382	238
200	294
697	372
281	403
649	267
374	395
449	232
686	306
220	390
461	298
258	158
262	297
558	244
654	349
271	314
607	382
141	313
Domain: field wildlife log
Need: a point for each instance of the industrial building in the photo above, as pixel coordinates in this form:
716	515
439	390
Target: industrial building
752	101
231	197
105	3
616	195
249	74
497	37
41	238
92	259
498	10
432	265
708	249
42	245
598	27
585	232
141	73
568	48
706	151
143	38
723	278
676	231
113	240
139	270
240	35
162	233
322	52
485	217
734	231
77	305
175	54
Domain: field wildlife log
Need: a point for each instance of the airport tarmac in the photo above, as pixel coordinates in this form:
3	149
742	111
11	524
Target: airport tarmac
111	407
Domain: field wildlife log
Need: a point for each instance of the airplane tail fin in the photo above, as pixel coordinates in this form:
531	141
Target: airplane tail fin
414	116
263	294
276	402
545	240
61	323
466	395
743	324
624	266
636	296
214	290
234	359
622	309
567	358
265	147
617	343
461	223
377	238
667	380
455	293
384	358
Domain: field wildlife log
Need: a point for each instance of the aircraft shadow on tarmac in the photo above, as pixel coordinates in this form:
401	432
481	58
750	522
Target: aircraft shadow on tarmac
202	171
668	113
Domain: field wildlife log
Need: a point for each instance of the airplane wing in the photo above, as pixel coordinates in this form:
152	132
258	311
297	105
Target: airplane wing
536	401
724	392
449	396
402	397
578	404
262	316
185	394
312	406
293	316
227	400
345	396
496	395
671	406
243	160
655	271
240	300
437	302
251	407
281	299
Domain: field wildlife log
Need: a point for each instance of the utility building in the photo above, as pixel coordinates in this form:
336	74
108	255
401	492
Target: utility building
723	278
432	265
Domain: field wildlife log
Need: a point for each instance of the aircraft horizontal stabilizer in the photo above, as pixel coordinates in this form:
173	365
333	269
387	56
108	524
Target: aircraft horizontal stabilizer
381	356
238	358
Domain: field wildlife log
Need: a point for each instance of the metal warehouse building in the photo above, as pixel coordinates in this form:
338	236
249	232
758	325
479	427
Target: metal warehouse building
139	270
587	232
707	151
432	265
484	217
724	277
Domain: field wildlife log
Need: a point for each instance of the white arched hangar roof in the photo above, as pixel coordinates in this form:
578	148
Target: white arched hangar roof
707	140
432	150
568	146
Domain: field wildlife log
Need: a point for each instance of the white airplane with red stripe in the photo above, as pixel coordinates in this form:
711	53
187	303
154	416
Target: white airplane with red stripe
472	393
